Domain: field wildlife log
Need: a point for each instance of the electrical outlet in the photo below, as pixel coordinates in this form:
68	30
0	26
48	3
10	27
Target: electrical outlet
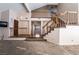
72	40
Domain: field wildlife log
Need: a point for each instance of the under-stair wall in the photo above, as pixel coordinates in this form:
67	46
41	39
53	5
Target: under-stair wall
69	35
64	33
64	36
53	36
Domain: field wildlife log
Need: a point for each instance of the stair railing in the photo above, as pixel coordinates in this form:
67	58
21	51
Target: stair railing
53	23
70	17
66	18
46	27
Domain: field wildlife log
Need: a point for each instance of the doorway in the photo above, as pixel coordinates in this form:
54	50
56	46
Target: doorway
16	28
36	28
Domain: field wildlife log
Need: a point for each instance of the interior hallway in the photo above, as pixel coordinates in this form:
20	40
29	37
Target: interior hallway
19	47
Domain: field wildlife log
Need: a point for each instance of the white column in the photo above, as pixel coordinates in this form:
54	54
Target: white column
29	22
29	18
41	26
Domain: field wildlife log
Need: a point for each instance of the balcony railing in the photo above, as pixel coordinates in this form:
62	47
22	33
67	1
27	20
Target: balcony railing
69	17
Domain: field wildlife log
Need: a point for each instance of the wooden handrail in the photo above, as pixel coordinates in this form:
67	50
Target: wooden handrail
57	21
67	16
54	22
47	23
67	12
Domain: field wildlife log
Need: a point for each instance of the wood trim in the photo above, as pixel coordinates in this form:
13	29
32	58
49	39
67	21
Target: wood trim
40	17
56	23
47	23
19	28
22	28
24	20
61	14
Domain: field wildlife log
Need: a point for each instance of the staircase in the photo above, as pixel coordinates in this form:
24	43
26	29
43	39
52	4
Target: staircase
55	29
51	29
55	22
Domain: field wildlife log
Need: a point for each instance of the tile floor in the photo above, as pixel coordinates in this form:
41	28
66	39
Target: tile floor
20	47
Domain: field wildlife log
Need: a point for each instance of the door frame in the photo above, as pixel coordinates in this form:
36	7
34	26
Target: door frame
32	30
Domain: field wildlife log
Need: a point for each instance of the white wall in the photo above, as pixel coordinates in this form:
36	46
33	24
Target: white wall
15	10
53	36
9	16
12	16
64	36
18	8
78	13
5	17
67	7
69	35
